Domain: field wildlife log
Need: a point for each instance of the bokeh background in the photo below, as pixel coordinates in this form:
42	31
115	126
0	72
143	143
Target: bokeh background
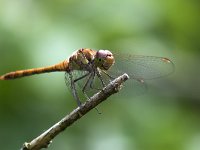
35	33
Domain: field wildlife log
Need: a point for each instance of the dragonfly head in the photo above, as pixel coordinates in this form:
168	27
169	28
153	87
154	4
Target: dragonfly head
104	59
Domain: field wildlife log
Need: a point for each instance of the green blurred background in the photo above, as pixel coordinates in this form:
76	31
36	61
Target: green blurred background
35	33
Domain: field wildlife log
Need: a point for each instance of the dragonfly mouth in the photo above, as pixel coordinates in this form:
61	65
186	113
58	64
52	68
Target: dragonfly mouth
105	67
108	63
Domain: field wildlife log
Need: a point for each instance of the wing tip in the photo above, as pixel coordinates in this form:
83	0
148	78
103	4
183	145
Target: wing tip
167	60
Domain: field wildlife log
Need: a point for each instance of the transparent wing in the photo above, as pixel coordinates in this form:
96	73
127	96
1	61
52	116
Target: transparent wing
134	87
91	85
79	84
141	67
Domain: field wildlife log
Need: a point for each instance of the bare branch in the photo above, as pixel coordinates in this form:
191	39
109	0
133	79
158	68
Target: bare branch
45	138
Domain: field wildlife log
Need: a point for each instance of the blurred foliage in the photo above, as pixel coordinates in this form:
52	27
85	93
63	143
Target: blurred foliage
35	33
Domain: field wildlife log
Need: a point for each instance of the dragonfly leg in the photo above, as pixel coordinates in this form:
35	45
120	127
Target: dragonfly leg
84	88
111	77
91	85
91	78
81	77
73	88
100	78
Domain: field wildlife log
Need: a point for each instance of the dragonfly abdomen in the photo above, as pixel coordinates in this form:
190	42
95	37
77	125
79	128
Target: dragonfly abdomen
63	66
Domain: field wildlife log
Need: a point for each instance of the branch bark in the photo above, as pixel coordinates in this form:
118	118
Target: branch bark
43	140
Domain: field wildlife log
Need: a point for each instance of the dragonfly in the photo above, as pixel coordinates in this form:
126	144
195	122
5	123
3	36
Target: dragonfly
101	65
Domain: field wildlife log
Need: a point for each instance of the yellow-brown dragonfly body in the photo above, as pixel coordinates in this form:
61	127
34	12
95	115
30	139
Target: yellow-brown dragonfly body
78	61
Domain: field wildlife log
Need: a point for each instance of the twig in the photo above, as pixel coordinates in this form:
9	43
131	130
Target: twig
45	138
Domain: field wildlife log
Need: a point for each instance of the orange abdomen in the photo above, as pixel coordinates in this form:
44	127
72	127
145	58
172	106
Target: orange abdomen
63	66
